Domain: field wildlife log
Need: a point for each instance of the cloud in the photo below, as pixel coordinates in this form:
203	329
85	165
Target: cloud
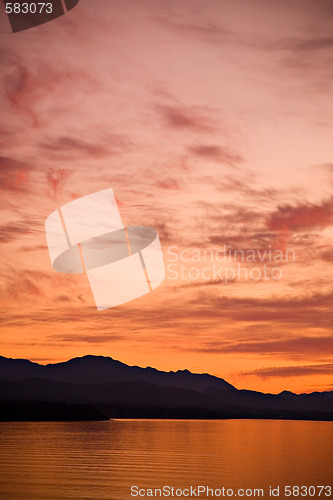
206	31
56	179
215	153
7	136
71	146
299	311
301	217
18	230
308	45
327	255
306	59
65	145
17	85
85	338
26	85
14	173
34	248
23	286
199	284
302	346
290	371
244	227
63	298
163	230
193	118
170	183
243	186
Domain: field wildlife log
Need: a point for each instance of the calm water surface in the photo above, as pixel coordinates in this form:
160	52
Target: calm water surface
102	460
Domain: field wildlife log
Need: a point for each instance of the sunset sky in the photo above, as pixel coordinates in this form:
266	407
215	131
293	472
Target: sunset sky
212	121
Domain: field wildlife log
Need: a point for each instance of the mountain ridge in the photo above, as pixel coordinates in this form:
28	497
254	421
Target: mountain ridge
117	390
107	369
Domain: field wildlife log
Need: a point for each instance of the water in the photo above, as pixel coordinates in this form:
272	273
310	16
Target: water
102	460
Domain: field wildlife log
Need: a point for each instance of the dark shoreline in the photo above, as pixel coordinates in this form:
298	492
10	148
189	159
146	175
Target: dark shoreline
37	411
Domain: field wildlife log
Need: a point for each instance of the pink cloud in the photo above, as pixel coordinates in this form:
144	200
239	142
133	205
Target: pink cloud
306	216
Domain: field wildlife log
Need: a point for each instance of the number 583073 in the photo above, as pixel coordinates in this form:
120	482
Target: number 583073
28	8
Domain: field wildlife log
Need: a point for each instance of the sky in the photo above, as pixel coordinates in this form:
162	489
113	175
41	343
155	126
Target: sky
212	121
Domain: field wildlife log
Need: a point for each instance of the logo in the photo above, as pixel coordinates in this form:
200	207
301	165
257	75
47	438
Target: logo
122	263
24	15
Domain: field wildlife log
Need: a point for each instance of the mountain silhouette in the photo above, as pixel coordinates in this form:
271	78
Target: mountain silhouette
114	389
91	370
